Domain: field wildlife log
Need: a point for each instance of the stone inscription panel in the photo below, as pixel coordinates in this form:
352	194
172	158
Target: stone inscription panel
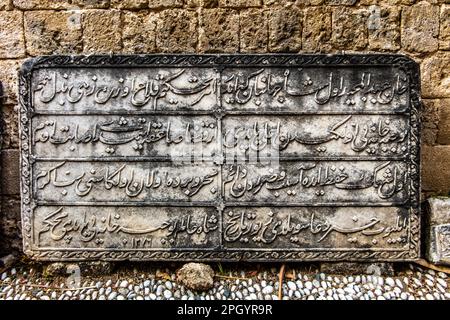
220	157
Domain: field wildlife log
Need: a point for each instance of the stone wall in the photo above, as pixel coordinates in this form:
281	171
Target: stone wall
36	27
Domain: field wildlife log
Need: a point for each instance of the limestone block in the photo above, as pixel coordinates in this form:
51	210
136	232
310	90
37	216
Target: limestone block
11	35
349	28
443	136
420	28
176	31
240	3
444	32
253	31
317	29
139	32
53	32
384	28
219	30
129	4
101	31
165	3
285	30
435	74
9	77
435	173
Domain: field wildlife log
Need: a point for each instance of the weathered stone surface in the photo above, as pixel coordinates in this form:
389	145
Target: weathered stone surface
8	74
101	31
431	111
10	172
384	28
55	269
196	276
317	30
52	32
5	5
176	31
435	173
129	4
347	268
240	3
285	30
133	143
165	3
219	30
253	31
42	4
438	231
10	226
11	35
420	28
9	114
443	135
139	32
444	33
340	2
435	74
349	28
90	4
202	3
290	2
438	210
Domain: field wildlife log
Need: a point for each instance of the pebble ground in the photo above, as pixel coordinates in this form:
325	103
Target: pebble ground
414	283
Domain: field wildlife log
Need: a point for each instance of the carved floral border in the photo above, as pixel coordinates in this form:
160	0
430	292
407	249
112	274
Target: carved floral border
402	62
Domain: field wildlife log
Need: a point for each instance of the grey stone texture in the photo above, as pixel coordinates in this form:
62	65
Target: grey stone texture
438	231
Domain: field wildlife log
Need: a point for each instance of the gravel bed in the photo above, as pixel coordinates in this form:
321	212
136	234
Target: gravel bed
25	283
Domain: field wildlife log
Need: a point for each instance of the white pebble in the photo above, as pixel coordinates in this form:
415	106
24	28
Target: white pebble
442	282
308	285
390	282
112	295
292	285
267	290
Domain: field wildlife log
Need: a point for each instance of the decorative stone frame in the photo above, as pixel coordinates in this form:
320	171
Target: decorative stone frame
411	69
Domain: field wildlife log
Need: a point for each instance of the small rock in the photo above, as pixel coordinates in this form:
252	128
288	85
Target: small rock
167	294
308	285
267	290
292	285
196	276
390	282
442	282
112	295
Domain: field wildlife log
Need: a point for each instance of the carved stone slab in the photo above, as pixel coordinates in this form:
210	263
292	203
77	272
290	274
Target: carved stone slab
220	157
